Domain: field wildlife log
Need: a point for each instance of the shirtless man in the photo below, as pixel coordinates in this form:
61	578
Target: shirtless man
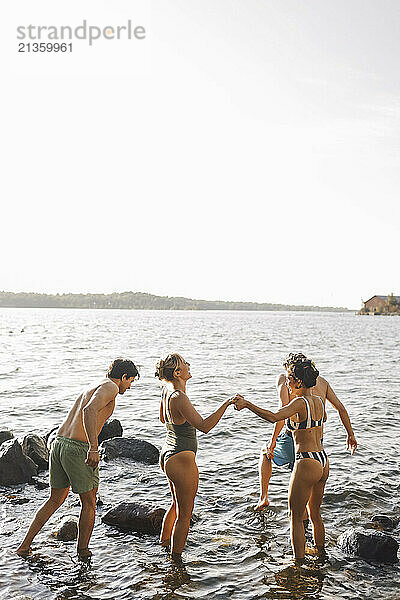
74	455
280	448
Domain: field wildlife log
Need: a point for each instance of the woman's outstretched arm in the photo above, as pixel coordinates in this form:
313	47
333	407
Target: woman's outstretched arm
188	411
283	413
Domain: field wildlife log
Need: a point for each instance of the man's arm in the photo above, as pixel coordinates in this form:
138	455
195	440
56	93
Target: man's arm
104	394
344	417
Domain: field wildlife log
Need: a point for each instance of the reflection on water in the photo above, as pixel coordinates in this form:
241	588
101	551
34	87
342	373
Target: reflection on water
233	551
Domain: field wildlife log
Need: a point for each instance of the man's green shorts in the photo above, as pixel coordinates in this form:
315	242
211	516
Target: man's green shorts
67	466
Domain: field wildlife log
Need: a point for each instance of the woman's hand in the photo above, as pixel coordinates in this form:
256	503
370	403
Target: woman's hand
240	402
351	443
234	399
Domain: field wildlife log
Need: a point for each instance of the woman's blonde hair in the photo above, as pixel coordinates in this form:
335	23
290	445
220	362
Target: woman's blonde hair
165	369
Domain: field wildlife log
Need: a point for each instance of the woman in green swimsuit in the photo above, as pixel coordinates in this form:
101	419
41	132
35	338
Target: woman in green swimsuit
177	458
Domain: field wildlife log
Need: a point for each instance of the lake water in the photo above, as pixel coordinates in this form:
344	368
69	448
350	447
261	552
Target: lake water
48	355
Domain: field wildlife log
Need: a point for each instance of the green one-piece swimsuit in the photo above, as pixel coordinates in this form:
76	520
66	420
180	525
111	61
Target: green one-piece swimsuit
179	438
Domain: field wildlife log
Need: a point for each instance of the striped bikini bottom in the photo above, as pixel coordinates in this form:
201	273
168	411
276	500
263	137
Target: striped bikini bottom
320	456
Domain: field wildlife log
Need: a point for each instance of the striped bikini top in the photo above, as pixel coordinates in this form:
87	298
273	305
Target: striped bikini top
308	422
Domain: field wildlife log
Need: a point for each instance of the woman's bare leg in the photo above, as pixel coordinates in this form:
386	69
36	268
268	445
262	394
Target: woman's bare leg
182	470
169	519
305	474
57	497
314	506
265	471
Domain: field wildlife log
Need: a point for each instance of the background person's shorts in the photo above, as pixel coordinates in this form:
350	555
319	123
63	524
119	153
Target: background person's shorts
67	466
284	450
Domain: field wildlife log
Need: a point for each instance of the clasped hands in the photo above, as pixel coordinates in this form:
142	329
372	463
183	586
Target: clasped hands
239	401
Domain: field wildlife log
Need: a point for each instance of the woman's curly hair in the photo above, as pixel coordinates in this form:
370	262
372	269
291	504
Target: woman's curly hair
165	368
301	369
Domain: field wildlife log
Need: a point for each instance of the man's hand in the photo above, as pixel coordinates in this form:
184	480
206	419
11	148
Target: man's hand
240	403
268	450
351	443
92	458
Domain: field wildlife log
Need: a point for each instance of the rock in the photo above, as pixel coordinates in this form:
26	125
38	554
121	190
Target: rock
15	467
40	484
368	544
138	450
132	516
68	529
110	429
34	446
384	522
5	435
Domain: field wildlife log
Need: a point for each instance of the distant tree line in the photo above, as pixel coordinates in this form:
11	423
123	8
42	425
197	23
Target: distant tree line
138	300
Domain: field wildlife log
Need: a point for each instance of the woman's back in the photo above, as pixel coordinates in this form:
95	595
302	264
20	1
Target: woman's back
308	428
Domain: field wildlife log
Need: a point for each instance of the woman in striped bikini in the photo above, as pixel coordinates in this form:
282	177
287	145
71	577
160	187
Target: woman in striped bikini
305	416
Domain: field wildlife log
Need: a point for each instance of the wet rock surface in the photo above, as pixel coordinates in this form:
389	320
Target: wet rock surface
5	435
138	450
369	544
133	516
35	447
384	522
111	429
68	529
15	467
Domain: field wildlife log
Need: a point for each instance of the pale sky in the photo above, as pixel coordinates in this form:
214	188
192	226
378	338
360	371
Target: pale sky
245	150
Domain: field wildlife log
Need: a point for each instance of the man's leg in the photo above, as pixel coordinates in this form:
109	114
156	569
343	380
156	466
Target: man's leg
57	497
265	471
86	521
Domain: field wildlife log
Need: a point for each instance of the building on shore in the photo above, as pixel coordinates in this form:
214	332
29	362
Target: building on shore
381	305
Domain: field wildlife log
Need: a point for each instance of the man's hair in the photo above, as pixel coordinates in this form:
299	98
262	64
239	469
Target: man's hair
122	366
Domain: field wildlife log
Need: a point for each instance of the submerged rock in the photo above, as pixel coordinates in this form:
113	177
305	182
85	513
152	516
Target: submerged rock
133	516
5	435
369	544
138	450
68	529
111	429
34	446
15	467
384	522
40	484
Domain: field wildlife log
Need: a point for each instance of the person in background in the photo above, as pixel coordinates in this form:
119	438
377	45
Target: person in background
280	447
178	455
74	455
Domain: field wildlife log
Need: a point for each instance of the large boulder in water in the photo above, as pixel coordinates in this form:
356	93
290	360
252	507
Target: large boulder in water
15	467
369	544
132	516
35	447
110	429
138	450
5	435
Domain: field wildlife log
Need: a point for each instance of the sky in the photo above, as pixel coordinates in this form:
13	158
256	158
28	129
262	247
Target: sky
243	150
